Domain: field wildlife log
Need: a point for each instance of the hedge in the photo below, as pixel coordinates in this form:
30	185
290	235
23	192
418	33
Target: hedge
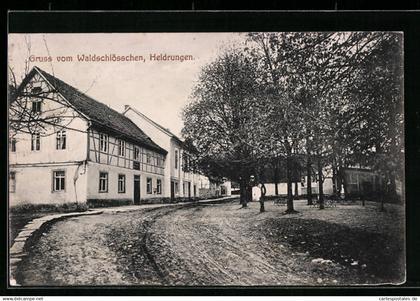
32	208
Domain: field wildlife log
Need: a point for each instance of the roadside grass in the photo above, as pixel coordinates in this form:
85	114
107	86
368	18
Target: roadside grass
19	220
365	241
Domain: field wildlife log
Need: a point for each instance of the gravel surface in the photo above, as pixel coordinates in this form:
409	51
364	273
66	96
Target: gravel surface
220	244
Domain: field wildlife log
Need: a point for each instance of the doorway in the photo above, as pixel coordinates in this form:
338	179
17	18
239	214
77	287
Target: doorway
172	190
136	189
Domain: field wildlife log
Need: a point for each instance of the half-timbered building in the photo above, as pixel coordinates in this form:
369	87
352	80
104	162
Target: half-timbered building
76	149
181	182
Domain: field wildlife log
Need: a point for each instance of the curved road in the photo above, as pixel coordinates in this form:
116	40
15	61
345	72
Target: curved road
195	244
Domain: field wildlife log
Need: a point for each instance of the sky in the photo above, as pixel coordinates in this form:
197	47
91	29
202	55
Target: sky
158	89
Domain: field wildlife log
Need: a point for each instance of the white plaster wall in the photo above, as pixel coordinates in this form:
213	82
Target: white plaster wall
170	145
34	185
160	138
76	147
113	171
282	189
76	140
228	185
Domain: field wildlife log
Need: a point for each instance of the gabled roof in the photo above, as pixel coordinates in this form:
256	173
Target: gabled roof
100	114
161	128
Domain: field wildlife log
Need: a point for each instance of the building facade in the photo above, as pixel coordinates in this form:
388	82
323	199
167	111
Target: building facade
180	181
90	151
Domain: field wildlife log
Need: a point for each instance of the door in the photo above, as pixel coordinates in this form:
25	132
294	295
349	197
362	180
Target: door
189	190
195	190
136	189
172	190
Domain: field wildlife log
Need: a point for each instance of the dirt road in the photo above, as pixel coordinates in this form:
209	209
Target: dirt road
206	244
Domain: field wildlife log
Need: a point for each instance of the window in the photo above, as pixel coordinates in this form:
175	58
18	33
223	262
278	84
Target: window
148	158
176	188
103	142
36	106
103	182
136	153
149	185
61	140
121	183
59	180
12	181
158	161
185	162
176	159
35	141
353	178
121	148
13	145
159	186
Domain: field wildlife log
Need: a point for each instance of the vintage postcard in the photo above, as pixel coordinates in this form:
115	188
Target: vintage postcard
206	159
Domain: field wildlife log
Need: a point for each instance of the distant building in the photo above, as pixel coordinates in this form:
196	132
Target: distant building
181	181
357	182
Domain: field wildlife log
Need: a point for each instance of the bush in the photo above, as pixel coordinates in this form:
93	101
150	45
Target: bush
44	208
162	200
95	203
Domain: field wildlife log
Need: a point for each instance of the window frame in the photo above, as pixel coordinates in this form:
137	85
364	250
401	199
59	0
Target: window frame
121	147
13	181
158	186
63	183
176	159
61	140
13	143
149	181
106	181
36	106
353	178
37	145
136	154
121	180
103	142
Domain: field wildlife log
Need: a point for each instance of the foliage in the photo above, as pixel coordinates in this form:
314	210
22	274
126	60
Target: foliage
330	98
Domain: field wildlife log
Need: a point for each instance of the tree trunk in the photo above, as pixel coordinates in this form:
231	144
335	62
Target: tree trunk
290	207
296	190
334	180
309	181
392	187
308	170
243	193
262	198
249	193
320	185
339	182
276	179
344	180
